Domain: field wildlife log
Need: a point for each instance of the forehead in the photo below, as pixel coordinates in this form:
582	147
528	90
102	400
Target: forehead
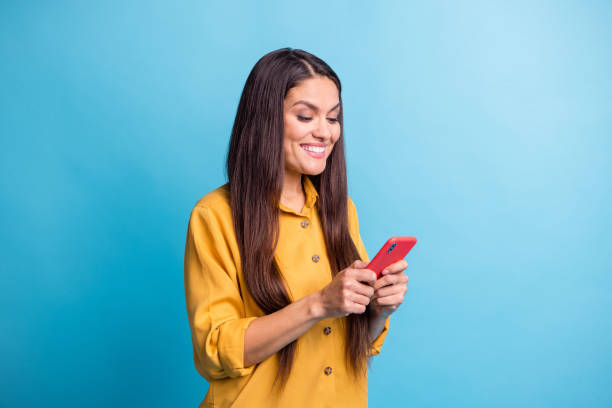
319	90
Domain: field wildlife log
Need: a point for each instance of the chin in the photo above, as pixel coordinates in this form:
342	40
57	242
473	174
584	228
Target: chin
313	173
313	170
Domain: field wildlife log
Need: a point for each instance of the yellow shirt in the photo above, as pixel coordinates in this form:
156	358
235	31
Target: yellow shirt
220	309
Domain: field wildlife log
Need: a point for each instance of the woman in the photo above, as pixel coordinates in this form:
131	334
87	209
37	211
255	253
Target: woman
281	308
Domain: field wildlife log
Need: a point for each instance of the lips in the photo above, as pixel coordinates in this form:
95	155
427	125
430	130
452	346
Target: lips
314	150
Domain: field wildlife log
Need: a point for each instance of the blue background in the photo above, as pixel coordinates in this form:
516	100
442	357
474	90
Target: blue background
482	128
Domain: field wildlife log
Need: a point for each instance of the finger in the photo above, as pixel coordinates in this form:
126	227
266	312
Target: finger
357	308
358	264
354	264
396	267
349	306
351	285
363	275
392	279
362	289
390	291
382	282
394	300
360	299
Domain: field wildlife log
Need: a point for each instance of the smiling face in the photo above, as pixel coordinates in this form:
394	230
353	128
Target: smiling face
311	123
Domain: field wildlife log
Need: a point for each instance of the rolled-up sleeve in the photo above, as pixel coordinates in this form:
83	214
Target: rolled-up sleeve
215	308
379	341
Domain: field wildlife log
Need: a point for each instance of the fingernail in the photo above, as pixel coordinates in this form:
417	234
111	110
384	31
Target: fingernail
386	271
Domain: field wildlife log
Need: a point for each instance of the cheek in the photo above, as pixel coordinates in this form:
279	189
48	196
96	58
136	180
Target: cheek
335	137
294	130
335	134
331	149
289	150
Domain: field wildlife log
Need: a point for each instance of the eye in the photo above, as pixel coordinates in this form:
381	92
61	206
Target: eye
332	120
303	118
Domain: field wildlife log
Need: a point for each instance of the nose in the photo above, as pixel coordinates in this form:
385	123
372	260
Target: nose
322	130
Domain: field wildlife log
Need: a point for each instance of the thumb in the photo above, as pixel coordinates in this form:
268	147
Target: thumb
359	264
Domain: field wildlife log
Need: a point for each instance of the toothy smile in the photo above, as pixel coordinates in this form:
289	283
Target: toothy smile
314	149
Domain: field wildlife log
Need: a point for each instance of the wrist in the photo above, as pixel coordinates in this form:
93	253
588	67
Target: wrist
376	314
315	306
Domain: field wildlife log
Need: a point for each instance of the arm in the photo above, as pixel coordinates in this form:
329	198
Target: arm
377	324
228	344
378	317
215	309
344	295
268	334
389	293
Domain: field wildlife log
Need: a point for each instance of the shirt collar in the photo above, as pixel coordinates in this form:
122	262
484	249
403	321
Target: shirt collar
311	192
311	197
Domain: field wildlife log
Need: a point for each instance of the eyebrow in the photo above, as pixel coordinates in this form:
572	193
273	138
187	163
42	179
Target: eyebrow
313	107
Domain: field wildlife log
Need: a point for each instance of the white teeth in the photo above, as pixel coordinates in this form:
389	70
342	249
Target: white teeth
314	149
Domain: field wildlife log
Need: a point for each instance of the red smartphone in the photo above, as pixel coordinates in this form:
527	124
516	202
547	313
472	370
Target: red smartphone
395	248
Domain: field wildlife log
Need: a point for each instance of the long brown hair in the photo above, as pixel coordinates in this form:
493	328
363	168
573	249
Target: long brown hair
255	168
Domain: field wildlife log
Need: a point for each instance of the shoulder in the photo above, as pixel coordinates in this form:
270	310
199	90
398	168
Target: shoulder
210	233
213	208
215	202
353	220
352	210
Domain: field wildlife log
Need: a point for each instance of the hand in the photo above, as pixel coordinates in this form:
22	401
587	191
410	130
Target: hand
390	289
349	292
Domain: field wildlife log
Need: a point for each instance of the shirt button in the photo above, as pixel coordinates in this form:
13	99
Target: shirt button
305	224
327	330
315	258
328	370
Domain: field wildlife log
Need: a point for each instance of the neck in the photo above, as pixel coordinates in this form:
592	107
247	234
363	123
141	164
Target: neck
292	185
292	194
